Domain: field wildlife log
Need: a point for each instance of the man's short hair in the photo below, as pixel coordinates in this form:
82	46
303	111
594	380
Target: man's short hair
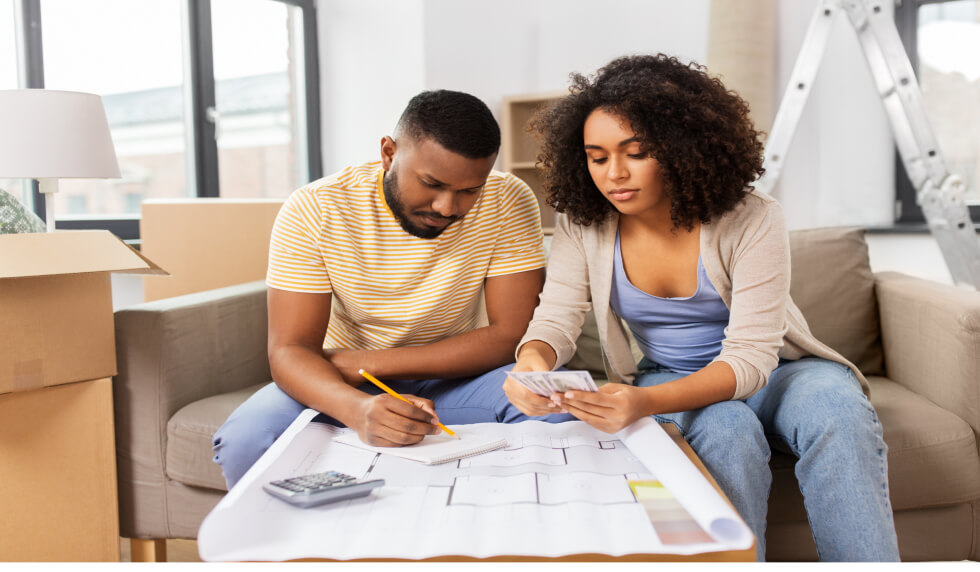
458	121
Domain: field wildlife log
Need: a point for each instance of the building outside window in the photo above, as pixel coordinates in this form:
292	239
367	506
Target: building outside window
76	203
130	54
260	109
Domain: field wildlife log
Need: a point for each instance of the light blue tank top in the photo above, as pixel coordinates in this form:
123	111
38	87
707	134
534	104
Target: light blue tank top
681	334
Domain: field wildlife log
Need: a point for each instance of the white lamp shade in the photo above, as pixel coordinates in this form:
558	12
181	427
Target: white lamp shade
54	134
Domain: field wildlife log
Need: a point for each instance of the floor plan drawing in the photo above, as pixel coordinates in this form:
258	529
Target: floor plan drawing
553	490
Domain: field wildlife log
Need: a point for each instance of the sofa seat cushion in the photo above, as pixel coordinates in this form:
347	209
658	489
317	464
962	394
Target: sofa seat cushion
189	431
932	456
932	453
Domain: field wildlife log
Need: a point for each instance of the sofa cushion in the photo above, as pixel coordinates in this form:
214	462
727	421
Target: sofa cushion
932	453
15	218
832	284
932	456
189	431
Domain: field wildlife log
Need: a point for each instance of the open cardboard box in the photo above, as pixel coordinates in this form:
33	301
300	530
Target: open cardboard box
57	355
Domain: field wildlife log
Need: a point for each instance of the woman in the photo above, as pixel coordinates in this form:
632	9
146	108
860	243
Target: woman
650	162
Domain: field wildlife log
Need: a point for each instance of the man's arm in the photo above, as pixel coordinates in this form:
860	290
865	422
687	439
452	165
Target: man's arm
297	324
510	301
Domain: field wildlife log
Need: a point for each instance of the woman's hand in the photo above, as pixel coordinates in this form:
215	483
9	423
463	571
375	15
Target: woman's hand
525	400
610	409
528	402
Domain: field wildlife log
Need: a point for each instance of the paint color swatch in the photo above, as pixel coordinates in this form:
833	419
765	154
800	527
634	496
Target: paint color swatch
670	520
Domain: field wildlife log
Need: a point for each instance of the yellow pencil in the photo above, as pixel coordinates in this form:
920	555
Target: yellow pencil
393	393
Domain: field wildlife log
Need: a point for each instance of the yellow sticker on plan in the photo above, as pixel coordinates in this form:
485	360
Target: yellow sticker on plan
643	490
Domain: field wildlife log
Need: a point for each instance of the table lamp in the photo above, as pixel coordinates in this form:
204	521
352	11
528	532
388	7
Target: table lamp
49	135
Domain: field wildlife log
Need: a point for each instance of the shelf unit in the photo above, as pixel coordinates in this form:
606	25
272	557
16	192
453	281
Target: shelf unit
519	149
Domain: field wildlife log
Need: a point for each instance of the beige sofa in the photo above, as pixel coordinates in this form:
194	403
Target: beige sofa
185	363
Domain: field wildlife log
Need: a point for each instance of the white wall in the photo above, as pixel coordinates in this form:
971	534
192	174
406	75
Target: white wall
376	54
371	63
493	49
915	254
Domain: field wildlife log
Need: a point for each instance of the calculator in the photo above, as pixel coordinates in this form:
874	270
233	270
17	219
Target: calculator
320	488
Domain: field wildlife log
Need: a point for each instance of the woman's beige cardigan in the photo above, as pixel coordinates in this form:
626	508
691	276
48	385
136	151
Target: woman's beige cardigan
745	253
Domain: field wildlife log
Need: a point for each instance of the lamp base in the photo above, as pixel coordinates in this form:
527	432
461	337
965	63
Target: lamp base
49	187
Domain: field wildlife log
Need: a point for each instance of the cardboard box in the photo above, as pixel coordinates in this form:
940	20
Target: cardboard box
57	354
206	243
58	474
56	306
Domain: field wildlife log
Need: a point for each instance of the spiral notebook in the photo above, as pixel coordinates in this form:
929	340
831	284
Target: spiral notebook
434	449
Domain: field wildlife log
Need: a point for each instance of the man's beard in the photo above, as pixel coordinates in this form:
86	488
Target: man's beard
390	186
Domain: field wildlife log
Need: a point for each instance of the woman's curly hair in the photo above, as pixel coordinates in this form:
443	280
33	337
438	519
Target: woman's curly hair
699	132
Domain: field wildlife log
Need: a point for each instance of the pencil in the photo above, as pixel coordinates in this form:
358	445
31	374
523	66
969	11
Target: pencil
395	394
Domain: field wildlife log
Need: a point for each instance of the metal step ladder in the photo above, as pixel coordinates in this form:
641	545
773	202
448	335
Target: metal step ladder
940	194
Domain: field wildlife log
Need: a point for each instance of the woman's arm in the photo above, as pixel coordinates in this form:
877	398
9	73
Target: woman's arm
550	338
760	278
566	296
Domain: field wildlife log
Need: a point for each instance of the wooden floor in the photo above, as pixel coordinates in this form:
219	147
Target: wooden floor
177	551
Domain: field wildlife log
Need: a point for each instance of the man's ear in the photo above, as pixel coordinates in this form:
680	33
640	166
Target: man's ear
388	148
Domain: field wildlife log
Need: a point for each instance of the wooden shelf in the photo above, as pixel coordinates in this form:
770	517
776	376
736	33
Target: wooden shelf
519	150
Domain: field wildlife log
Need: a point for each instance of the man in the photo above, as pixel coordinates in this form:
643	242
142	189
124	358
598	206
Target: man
399	250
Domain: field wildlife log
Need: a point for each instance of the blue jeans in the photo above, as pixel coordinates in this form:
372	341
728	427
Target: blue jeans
257	423
814	409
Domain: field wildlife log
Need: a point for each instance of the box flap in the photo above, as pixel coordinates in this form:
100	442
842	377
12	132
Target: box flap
69	252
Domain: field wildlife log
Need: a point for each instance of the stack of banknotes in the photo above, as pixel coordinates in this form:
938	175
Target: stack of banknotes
550	382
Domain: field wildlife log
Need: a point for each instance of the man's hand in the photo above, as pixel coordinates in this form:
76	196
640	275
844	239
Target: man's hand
384	421
610	409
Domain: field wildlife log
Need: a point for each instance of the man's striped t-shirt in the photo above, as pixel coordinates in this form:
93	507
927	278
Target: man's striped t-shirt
389	288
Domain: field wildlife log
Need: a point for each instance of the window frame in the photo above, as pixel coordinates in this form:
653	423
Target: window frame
907	209
202	153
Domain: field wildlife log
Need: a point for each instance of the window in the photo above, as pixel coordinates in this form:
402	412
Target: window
8	46
76	203
942	39
132	202
8	80
204	98
129	53
259	97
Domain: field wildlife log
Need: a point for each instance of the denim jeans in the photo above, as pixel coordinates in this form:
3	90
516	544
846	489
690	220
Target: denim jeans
814	409
257	423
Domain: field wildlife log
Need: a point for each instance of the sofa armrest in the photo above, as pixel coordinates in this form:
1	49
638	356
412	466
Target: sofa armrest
170	353
931	339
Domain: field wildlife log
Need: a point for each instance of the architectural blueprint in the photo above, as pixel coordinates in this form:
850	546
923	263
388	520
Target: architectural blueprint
554	490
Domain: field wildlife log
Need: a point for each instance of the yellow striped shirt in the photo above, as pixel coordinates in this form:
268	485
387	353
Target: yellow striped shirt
390	289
